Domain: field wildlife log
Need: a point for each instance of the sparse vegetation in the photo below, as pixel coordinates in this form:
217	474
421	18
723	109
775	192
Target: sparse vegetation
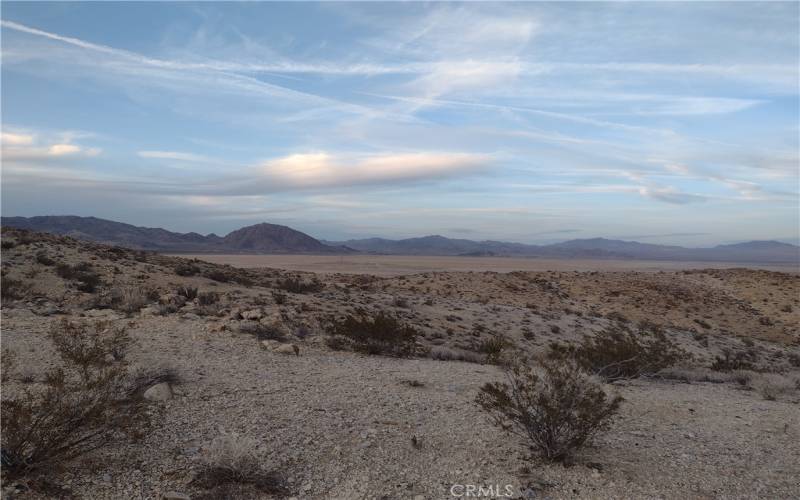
618	353
263	331
11	289
83	404
381	334
188	292
88	280
556	408
186	269
296	285
733	360
232	459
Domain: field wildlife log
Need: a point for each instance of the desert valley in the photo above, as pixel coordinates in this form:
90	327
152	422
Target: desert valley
247	362
387	250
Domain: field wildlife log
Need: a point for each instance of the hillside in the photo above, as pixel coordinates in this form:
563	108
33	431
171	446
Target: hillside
259	238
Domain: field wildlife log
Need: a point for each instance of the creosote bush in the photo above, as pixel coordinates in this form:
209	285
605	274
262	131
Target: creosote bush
556	408
381	334
734	360
618	353
296	285
88	280
81	406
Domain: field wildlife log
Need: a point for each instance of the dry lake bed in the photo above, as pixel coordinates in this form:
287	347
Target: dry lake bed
392	265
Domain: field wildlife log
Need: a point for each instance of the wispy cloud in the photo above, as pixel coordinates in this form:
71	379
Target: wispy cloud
172	155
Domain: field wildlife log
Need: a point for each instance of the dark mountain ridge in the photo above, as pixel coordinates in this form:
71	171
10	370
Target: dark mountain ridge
259	238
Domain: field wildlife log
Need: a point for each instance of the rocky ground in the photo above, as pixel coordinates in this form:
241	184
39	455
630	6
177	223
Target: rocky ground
344	425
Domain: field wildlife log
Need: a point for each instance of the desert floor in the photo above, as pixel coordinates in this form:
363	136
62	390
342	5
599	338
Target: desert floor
342	425
393	265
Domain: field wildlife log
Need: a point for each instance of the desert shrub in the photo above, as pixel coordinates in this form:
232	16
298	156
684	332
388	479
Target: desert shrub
234	460
441	353
401	302
43	259
618	353
142	379
81	406
218	275
262	331
279	298
207	298
296	285
733	360
556	408
210	310
129	300
11	289
7	244
188	292
88	280
794	359
493	348
381	334
186	269
772	385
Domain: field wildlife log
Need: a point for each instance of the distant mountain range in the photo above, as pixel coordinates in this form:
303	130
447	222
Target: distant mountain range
271	238
597	248
260	238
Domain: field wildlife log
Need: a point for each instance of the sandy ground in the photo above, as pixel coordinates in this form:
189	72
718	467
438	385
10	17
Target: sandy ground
395	265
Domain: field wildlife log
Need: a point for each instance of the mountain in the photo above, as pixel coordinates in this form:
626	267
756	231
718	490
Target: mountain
272	238
260	238
596	248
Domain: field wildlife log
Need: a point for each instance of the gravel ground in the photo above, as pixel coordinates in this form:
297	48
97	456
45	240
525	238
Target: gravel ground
341	425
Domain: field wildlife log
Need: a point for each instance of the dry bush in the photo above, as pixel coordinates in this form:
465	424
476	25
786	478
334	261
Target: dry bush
493	348
262	331
771	386
446	354
186	269
556	408
207	298
188	292
11	289
129	300
381	334
734	360
81	406
43	259
279	298
295	285
88	280
618	353
234	460
142	379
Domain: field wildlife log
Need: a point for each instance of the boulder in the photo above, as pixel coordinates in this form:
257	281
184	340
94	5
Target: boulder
158	392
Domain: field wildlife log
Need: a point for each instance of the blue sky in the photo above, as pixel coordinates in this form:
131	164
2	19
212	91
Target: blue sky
532	122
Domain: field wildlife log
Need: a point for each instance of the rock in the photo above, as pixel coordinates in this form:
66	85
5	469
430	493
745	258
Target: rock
158	392
253	314
286	349
175	495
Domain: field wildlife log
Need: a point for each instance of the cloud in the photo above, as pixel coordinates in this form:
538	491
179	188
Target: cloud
670	195
172	155
316	170
30	146
16	139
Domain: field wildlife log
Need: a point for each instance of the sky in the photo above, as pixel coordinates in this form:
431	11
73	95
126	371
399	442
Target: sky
659	122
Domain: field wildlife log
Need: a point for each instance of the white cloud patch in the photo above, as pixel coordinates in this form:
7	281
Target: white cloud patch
315	170
10	139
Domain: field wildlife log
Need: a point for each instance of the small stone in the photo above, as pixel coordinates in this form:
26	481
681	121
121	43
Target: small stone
158	392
